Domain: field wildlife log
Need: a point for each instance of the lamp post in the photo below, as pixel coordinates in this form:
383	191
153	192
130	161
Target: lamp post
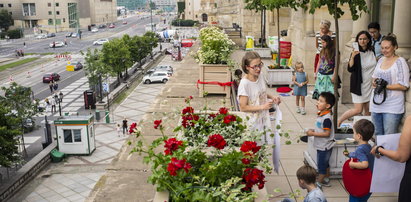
54	21
59	106
151	16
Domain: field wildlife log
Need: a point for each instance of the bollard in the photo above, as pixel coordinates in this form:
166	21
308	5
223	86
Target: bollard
107	117
97	115
66	113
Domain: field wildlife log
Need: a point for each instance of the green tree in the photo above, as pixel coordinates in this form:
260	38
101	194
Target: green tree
19	100
6	19
150	39
115	55
95	69
9	130
356	8
257	6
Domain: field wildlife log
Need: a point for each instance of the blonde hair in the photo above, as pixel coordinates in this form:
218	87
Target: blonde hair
326	23
299	63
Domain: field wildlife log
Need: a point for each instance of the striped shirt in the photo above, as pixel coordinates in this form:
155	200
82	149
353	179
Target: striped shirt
318	38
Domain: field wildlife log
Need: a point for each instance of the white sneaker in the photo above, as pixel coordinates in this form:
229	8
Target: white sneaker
303	112
298	110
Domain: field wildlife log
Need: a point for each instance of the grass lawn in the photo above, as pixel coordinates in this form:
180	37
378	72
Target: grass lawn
38	53
17	63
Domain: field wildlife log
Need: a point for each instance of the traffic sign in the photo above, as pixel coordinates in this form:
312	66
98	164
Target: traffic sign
105	87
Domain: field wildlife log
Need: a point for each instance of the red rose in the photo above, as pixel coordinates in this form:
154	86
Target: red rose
229	118
171	145
249	146
253	176
245	161
176	165
188	110
187	120
223	110
157	123
212	116
132	127
216	141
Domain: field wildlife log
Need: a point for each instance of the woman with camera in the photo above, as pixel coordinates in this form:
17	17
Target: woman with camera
390	81
361	66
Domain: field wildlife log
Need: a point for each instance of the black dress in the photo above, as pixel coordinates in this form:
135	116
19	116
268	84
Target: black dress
405	186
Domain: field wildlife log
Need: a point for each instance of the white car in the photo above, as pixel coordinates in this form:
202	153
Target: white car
100	42
41	36
74	35
158	76
57	43
94	30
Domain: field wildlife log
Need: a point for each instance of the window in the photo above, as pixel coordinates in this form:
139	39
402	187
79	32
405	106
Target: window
29	9
50	21
58	12
1	5
50	13
57	4
58	21
64	19
71	136
9	5
49	4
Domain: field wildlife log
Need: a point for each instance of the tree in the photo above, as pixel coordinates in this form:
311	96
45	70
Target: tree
6	19
150	39
115	55
276	5
258	6
356	8
19	100
9	130
94	69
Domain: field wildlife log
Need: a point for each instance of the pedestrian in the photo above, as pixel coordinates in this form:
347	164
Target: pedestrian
55	85
24	44
374	30
253	96
363	131
300	80
391	80
53	105
402	154
56	98
118	129
325	75
65	42
361	66
47	104
324	30
61	96
51	86
125	126
323	137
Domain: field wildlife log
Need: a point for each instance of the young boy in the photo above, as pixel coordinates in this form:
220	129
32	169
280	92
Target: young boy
306	179
363	131
323	136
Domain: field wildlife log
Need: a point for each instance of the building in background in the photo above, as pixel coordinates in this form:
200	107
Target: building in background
60	15
133	4
165	5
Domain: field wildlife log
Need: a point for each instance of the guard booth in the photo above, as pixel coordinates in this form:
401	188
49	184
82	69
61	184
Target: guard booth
75	134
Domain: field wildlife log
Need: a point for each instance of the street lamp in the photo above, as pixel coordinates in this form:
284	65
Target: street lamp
58	100
151	16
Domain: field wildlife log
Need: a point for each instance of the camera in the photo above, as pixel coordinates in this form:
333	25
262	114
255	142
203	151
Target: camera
381	85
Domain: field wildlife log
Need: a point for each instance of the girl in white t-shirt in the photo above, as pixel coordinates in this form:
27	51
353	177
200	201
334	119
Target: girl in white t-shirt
253	96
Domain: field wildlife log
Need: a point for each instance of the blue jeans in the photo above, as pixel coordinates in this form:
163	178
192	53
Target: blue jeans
323	158
386	123
359	199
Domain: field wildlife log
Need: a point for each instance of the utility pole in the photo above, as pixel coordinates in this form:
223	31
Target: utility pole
54	21
151	16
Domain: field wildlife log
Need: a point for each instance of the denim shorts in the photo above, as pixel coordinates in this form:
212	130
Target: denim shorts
323	158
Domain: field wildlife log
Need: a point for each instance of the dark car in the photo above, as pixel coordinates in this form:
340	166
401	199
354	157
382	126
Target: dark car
78	66
102	26
49	35
51	77
69	34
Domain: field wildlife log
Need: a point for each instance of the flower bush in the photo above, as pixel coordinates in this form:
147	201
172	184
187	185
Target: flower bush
212	157
216	46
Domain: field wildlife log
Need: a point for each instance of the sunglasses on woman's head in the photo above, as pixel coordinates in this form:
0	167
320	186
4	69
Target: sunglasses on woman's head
259	66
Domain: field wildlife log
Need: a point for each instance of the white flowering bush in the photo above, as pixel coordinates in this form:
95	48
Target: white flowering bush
216	46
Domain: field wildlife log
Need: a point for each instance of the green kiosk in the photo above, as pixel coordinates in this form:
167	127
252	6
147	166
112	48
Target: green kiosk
75	134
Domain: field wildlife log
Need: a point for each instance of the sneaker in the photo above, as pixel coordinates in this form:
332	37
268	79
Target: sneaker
324	184
272	118
303	112
298	110
327	180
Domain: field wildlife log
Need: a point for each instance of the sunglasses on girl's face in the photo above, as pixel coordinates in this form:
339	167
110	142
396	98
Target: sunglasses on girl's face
259	66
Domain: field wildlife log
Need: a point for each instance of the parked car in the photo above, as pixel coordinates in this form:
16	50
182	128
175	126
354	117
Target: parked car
100	42
164	68
78	66
111	26
41	36
94	29
49	35
69	34
102	26
51	77
159	76
150	71
124	22
74	35
57	44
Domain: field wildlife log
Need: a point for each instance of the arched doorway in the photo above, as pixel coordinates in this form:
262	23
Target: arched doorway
204	17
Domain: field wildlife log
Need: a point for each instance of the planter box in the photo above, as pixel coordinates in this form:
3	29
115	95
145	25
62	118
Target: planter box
214	73
263	52
279	76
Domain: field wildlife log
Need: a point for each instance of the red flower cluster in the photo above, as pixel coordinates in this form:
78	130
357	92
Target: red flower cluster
187	120
176	165
187	100
249	146
157	123
188	110
171	145
246	161
223	110
212	116
229	118
253	176
132	127
216	141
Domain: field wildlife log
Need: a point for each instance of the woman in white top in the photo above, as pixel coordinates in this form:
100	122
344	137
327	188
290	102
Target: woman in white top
361	66
253	96
387	109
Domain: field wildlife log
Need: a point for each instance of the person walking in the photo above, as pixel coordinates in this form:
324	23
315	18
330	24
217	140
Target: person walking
125	126
55	85
118	129
53	105
325	75
51	86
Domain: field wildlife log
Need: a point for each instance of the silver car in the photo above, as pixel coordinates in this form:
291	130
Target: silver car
157	76
100	42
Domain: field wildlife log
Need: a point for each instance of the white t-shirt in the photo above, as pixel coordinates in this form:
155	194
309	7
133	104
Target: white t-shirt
398	73
257	95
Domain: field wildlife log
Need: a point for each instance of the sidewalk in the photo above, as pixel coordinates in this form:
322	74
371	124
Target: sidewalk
126	178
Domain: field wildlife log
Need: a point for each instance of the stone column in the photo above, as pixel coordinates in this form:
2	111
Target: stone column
402	28
309	24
